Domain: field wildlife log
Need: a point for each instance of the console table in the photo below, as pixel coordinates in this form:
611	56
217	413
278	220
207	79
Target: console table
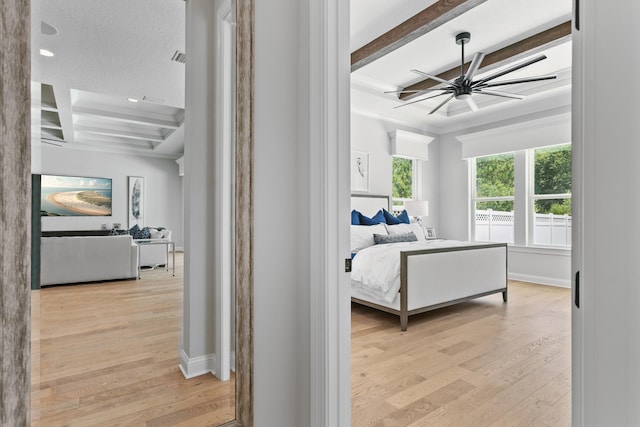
168	243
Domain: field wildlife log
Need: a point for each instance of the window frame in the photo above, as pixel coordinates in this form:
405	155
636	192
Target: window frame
532	197
415	179
523	199
475	199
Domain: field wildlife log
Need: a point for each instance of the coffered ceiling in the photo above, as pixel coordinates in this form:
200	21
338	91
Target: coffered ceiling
106	55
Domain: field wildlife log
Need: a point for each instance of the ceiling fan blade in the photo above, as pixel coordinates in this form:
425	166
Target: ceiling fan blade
429	76
472	104
511	69
441	104
473	67
497	93
423	99
516	81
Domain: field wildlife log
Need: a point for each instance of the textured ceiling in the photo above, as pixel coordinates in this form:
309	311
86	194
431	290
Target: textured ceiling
106	52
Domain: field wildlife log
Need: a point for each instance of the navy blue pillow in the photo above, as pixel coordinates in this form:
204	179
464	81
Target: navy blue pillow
404	217
378	218
355	217
391	219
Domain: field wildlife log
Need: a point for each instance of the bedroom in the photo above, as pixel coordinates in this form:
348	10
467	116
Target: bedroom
443	177
447	144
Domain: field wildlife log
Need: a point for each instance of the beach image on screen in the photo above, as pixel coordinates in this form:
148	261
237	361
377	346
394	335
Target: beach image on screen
75	196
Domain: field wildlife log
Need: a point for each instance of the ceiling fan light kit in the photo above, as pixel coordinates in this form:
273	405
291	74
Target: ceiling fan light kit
464	86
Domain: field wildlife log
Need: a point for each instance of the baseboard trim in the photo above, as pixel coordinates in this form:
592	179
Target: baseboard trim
196	366
540	280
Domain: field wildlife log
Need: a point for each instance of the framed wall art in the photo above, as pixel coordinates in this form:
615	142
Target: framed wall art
136	201
359	171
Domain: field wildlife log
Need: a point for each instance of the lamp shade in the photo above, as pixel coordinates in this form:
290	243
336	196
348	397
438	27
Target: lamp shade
417	207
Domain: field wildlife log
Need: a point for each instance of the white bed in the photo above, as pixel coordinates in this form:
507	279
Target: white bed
415	277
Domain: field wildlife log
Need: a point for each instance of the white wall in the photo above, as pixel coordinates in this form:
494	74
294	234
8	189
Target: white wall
280	354
373	136
199	320
606	328
429	186
540	265
454	190
163	188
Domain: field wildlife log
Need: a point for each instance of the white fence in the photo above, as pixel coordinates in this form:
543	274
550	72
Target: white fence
548	229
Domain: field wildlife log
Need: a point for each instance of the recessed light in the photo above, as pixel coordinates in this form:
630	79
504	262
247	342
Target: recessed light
132	100
45	52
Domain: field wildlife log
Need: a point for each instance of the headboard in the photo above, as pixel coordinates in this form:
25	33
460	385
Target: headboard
369	204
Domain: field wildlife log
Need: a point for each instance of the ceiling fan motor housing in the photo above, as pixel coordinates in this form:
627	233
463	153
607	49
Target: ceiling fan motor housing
462	88
463	38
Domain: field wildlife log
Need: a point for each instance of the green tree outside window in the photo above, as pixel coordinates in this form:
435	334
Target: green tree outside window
402	173
552	175
494	178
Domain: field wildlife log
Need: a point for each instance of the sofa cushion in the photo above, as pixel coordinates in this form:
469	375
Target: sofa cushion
87	259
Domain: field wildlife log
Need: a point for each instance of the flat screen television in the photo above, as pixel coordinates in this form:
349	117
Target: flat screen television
75	196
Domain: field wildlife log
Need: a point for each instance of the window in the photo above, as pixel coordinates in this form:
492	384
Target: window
494	198
551	196
403	181
523	197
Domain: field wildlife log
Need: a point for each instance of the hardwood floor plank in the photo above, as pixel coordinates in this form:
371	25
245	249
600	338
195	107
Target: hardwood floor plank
427	387
537	404
481	363
106	354
559	414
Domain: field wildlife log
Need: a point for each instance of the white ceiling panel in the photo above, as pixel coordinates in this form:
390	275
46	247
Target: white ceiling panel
106	52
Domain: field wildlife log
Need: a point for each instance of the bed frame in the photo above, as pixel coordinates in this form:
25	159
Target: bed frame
432	278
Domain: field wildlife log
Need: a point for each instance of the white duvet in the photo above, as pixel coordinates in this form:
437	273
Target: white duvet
376	269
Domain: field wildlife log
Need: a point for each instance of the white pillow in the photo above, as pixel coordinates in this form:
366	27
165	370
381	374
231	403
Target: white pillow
414	228
362	235
155	233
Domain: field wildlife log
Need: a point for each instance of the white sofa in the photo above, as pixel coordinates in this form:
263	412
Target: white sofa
154	255
87	259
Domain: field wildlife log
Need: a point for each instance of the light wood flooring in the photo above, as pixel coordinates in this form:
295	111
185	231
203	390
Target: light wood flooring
480	363
106	354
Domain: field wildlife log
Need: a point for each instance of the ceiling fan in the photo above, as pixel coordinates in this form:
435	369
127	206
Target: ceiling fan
463	87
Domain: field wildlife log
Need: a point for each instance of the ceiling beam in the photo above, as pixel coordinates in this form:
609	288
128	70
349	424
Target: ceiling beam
120	133
126	118
430	18
529	46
